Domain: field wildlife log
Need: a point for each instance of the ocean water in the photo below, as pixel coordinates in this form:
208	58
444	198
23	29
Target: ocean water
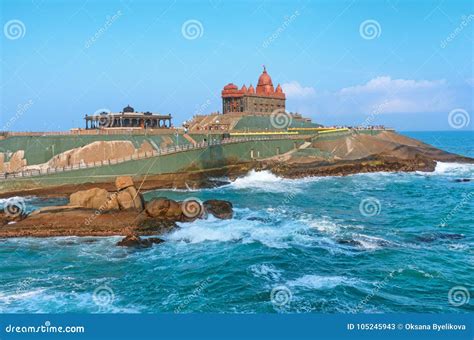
368	243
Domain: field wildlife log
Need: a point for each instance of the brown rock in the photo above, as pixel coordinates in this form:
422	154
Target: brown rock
16	162
125	200
218	208
130	198
164	208
94	198
123	182
134	240
157	207
138	200
174	211
2	162
98	151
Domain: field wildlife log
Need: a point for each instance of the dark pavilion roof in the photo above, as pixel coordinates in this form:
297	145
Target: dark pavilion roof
128	109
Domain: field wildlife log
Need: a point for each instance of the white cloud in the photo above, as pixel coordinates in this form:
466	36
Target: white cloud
380	95
293	89
386	84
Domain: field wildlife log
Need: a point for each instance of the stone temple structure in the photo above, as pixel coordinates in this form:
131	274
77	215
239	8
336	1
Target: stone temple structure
128	118
261	100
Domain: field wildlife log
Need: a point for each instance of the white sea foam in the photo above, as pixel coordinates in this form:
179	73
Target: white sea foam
371	242
455	169
9	298
322	282
266	271
268	182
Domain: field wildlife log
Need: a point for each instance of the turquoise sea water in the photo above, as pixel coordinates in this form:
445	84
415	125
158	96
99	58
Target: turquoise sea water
384	242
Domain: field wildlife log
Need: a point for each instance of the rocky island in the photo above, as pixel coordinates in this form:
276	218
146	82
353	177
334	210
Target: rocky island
104	168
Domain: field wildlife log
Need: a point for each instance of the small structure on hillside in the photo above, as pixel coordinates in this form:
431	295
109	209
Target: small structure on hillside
128	118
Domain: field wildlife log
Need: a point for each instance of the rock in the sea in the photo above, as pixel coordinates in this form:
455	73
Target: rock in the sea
164	208
137	242
130	198
94	198
219	208
123	182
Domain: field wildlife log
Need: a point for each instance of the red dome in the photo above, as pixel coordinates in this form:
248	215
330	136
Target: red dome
265	85
251	89
230	86
278	89
244	89
264	78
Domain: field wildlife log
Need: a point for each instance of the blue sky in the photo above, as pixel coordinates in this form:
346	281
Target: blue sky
404	64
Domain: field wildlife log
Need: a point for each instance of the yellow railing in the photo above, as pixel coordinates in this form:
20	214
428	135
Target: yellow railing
266	133
334	130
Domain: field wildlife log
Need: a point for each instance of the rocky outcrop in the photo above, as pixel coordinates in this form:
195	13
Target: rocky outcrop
16	162
123	182
188	210
218	208
98	151
73	221
127	195
98	212
163	208
136	241
95	198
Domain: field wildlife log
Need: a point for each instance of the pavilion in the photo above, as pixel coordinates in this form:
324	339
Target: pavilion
128	118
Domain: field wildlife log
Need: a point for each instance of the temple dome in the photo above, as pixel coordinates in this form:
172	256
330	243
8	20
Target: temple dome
244	88
278	89
265	85
264	78
230	86
128	109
